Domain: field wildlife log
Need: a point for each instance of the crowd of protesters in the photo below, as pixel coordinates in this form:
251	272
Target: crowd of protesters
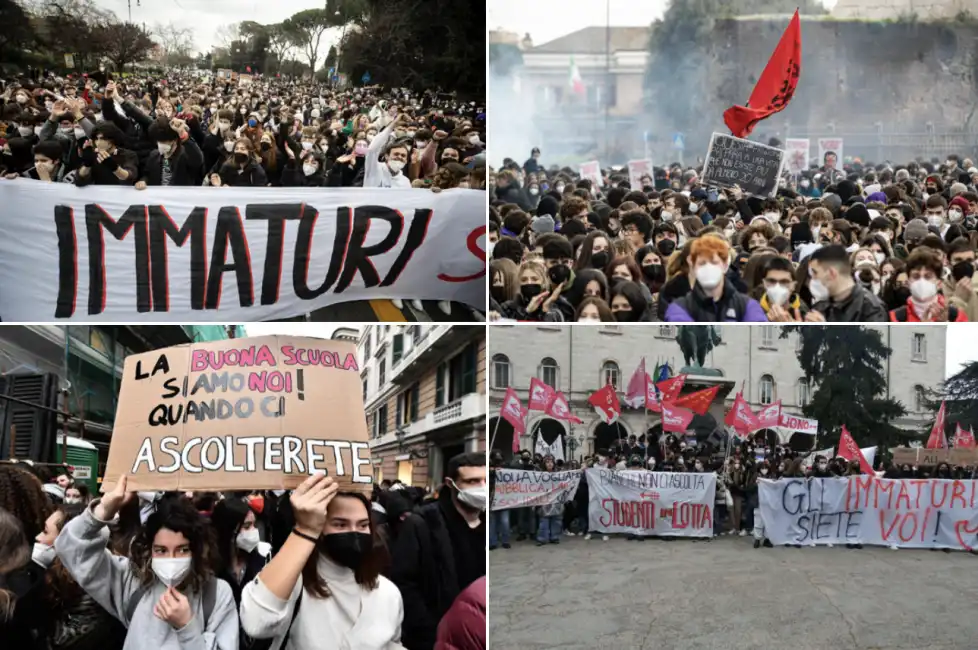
183	129
314	568
736	507
867	243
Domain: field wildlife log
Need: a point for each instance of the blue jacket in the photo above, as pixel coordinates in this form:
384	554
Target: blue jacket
733	307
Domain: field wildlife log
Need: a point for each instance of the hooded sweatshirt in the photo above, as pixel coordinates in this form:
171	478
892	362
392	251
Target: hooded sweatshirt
109	580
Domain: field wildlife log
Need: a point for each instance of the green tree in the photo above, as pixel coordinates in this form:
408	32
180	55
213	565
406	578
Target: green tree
960	392
846	367
306	29
16	32
123	43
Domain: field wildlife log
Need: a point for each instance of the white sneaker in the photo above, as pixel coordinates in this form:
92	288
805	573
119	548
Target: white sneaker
587	537
417	305
830	545
445	306
569	534
894	547
397	302
742	533
604	538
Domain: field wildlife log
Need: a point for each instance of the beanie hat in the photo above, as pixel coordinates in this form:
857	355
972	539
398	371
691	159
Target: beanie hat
847	189
859	215
876	196
548	205
961	202
958	188
833	202
542	224
915	230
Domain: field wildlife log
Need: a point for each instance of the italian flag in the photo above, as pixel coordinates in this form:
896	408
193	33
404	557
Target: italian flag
575	82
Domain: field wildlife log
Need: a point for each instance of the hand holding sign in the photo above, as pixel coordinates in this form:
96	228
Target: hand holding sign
309	503
111	503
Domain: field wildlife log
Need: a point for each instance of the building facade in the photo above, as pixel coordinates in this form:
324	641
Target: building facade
424	398
755	359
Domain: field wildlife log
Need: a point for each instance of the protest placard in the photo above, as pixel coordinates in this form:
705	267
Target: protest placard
731	161
636	170
797	150
241	414
651	503
798	424
868	510
922	457
519	488
831	145
183	254
592	170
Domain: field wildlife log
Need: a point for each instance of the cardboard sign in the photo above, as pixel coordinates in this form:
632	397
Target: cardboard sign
732	161
592	170
241	414
797	154
931	457
636	170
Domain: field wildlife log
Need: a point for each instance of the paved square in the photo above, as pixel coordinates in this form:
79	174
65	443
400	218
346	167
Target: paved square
724	594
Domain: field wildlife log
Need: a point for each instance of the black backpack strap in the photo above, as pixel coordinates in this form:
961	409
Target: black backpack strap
209	597
952	314
134	601
900	314
295	612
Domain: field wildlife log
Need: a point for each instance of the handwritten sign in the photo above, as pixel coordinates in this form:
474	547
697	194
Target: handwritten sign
797	154
636	170
241	414
519	488
908	513
591	170
733	161
651	503
931	457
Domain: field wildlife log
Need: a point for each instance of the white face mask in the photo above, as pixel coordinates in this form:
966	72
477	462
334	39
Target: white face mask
772	217
880	258
474	138
729	233
247	540
229	146
306	146
43	554
818	290
25	131
309	170
534	191
395	165
935	220
709	276
693	207
171	570
476	497
777	294
164	148
79	134
70	500
955	215
923	290
666	215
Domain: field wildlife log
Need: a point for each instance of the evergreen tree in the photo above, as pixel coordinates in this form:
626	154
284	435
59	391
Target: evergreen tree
846	367
961	394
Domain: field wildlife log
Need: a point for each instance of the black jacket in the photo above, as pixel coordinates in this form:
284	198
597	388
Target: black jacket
185	165
425	568
252	176
516	310
99	174
860	306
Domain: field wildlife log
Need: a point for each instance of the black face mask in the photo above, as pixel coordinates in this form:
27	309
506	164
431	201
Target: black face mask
900	297
964	269
600	260
654	272
624	316
346	549
265	146
530	291
666	247
559	274
498	294
240	158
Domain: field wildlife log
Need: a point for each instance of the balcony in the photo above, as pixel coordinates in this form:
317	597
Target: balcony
434	346
467	408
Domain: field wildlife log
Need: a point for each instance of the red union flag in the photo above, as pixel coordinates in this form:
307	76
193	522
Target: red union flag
699	402
559	409
514	413
675	419
937	439
769	416
605	403
540	395
741	418
849	450
776	86
651	398
963	439
670	388
637	385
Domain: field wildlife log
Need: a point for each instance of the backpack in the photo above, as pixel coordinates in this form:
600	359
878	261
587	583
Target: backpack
209	596
900	314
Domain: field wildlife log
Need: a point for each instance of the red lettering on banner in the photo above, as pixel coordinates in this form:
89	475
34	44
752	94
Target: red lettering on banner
885	531
887	488
933	491
919	483
958	493
911	517
691	515
903	495
963	527
923	527
630	514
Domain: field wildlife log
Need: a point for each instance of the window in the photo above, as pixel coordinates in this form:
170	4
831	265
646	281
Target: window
610	374
382	420
462	372
804	392
405	469
767	389
767	336
382	373
440	384
415	334
919	398
366	347
548	372
397	349
500	371
918	349
366	384
407	406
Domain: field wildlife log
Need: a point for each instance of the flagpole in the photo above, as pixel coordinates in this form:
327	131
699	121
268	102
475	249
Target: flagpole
495	429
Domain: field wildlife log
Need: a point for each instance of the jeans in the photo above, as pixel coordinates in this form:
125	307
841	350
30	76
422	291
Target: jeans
498	527
549	529
735	512
719	517
750	505
526	521
582	520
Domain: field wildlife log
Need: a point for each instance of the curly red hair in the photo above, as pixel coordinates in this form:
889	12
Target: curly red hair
708	246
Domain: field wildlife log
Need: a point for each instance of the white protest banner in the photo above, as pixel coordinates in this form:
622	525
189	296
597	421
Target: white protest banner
232	255
555	449
517	488
797	154
651	503
592	170
636	170
830	145
869	453
798	423
928	513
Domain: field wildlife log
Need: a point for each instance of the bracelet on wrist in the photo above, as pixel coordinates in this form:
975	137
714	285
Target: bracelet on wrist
296	531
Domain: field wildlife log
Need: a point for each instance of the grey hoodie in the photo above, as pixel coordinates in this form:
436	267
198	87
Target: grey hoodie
108	579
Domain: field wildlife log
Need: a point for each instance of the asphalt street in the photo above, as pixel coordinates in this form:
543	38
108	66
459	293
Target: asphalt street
725	594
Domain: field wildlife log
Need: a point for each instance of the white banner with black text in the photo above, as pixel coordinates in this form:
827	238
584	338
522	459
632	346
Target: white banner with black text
520	488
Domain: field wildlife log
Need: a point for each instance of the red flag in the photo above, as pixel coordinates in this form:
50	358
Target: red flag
963	439
670	388
652	402
776	86
937	439
769	416
741	417
849	450
699	402
514	413
248	68
540	395
605	403
559	409
635	394
675	419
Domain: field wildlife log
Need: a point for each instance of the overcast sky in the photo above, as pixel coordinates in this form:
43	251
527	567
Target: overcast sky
546	20
962	346
204	17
